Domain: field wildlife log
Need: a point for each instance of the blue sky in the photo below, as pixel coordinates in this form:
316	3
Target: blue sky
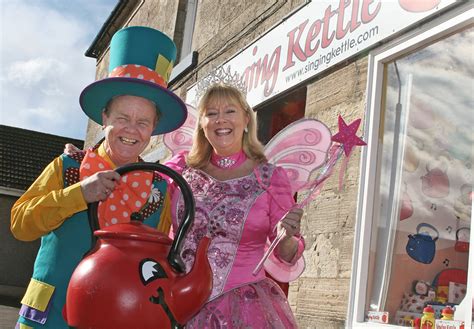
43	67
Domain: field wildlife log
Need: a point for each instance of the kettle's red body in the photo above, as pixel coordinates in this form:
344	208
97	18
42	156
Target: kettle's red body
126	281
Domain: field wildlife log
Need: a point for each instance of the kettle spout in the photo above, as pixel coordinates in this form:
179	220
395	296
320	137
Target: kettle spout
192	290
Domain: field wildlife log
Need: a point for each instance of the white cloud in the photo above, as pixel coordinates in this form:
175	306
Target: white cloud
33	71
43	66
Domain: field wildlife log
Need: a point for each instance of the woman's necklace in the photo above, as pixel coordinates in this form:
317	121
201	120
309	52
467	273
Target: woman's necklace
228	162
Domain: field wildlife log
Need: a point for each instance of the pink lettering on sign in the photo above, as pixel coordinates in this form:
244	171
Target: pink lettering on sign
294	47
312	34
366	16
322	31
263	71
305	39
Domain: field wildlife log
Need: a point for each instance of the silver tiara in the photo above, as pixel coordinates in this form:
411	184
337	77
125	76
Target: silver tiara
220	75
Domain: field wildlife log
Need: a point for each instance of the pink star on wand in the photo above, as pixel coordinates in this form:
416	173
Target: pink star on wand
347	135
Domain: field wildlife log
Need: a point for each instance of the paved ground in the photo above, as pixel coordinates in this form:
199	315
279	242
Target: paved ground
9	306
8	316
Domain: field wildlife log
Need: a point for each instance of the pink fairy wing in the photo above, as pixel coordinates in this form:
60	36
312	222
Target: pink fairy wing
181	139
300	148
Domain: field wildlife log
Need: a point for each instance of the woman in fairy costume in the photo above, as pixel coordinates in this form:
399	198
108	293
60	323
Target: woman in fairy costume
240	200
132	104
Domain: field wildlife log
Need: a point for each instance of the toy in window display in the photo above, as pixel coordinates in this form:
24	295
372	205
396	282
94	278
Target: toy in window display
442	283
421	246
435	183
462	204
447	313
423	288
414	301
407	206
447	320
462	239
442	295
406	319
456	292
428	318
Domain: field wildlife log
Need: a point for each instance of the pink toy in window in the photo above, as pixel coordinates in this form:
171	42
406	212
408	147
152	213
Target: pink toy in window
435	183
407	206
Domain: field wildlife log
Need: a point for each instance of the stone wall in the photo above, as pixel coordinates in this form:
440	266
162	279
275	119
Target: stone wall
320	296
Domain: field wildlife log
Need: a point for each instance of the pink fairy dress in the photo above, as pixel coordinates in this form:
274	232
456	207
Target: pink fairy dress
239	215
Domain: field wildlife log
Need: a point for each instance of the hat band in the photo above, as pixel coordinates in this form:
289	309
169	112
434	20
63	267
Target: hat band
138	72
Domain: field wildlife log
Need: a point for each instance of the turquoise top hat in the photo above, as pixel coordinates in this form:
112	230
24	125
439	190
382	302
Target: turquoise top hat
141	60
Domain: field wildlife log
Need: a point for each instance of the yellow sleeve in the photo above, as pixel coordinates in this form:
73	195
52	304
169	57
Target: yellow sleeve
165	218
46	204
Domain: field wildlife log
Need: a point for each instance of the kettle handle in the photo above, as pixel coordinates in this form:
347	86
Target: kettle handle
174	257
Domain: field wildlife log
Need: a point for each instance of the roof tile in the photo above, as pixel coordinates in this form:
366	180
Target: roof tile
25	153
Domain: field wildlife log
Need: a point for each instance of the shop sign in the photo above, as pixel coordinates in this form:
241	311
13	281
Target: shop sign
449	324
318	36
377	317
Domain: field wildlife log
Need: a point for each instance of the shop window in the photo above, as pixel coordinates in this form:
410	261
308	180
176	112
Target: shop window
183	37
276	115
417	210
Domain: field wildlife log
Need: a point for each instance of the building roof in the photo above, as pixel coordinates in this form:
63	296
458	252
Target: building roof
114	22
25	153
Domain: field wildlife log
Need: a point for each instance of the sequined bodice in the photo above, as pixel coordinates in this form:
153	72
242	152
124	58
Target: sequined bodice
221	213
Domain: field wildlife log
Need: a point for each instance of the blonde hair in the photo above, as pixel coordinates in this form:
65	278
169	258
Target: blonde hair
201	150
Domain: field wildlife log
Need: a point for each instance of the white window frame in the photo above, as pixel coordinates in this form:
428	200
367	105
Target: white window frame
440	27
187	57
189	24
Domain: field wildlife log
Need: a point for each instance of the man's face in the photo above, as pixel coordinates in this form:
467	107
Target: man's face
129	123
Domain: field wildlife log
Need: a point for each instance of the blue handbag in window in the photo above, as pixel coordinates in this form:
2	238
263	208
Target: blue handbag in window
422	246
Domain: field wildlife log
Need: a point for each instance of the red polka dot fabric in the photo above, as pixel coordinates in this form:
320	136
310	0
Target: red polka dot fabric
129	195
138	72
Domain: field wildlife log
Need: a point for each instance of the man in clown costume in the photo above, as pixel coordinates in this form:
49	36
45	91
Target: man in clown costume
131	104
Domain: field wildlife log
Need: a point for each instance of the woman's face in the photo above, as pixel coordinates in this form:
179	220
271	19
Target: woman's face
223	122
129	124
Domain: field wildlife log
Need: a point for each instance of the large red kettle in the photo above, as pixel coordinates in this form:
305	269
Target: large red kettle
134	277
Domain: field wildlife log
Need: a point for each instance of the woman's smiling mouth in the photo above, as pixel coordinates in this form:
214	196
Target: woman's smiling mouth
222	132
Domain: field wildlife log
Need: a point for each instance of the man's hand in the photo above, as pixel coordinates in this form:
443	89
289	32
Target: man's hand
70	149
98	186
